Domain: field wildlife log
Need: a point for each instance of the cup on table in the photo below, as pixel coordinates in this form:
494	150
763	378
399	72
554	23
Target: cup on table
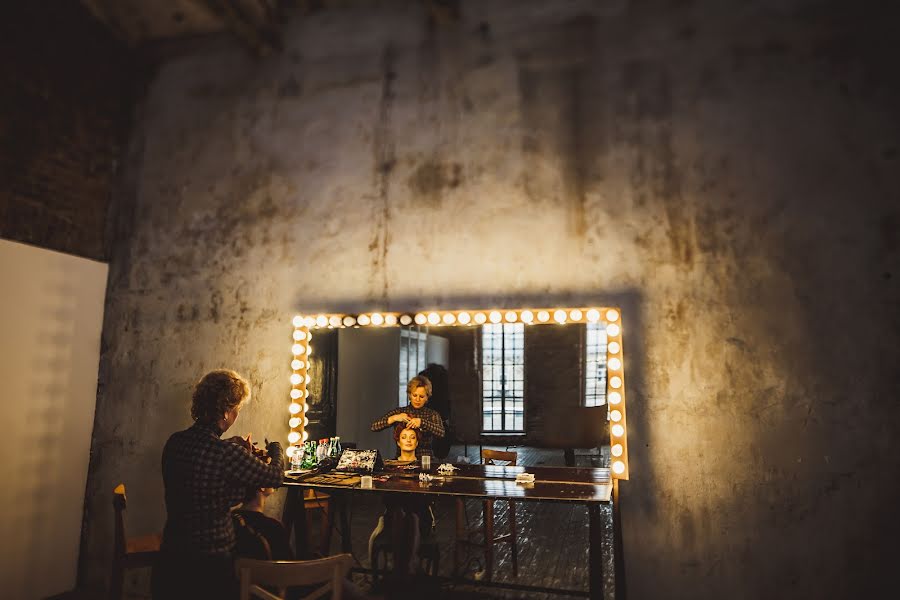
426	462
365	481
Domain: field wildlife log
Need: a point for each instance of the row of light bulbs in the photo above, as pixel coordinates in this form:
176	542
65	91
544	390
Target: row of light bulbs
615	375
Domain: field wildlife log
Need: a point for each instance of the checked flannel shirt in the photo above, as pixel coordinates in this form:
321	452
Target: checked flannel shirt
204	477
432	425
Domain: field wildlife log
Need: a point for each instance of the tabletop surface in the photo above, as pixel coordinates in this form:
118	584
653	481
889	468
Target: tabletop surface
554	484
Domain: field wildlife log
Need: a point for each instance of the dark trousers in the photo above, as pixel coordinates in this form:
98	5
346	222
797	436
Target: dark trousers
192	577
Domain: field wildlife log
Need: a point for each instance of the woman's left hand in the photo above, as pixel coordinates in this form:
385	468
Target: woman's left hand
414	423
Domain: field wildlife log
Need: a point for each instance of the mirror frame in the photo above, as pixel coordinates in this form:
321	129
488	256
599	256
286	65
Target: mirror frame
304	327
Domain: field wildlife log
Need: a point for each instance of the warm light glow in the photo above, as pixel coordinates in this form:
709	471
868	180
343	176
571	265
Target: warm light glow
321	321
296	364
614	382
575	314
377	319
527	316
307	380
306	393
305	435
618	467
543	316
306	407
308	337
495	316
510	316
421	319
615	416
297	321
294	422
612	315
335	321
464	318
613	348
390	320
305	421
295	394
434	318
363	320
593	315
616	450
294	408
298	349
612	330
309	321
291	450
618	430
615	397
405	319
295	379
615	364
480	318
560	316
293	437
350	321
449	318
299	335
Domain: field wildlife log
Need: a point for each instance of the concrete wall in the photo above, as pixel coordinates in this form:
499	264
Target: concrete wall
728	175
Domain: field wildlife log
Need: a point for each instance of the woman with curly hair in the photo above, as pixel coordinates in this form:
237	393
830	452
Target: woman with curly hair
204	477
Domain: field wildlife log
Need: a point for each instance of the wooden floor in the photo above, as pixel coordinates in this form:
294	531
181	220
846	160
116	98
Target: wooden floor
552	538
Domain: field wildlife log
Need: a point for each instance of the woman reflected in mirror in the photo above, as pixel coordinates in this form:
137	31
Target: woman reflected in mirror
407	441
426	422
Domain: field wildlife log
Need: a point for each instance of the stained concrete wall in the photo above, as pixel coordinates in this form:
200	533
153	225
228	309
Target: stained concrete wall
728	175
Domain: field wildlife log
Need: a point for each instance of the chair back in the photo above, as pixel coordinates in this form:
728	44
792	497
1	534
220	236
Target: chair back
119	504
489	456
328	573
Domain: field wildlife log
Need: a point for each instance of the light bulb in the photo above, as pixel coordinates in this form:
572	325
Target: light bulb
612	330
618	430
480	318
616	450
510	316
527	316
309	322
615	364
449	319
290	451
295	379
295	394
350	321
294	408
307	380
308	337
575	314
335	321
305	435
613	348
405	319
298	335
293	437
390	320
543	316
306	407
464	318
321	321
593	315
421	319
305	421
294	422
615	416
434	318
612	315
614	382
297	321
618	467
559	316
296	364
306	393
297	349
364	319
495	316
615	397
377	319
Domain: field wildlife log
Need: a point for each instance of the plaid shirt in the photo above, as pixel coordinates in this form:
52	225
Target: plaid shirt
204	477
432	425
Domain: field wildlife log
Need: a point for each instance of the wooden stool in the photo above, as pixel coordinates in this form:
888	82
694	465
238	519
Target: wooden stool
315	500
462	533
129	553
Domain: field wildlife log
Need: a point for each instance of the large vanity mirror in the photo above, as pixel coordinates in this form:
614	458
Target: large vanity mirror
551	378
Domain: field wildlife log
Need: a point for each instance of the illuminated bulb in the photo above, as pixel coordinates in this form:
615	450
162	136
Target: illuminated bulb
305	435
296	364
377	319
613	348
350	321
543	316
593	315
495	316
615	364
618	467
405	319
612	315
434	318
295	379
306	407
449	318
575	314
294	422
527	316
364	319
297	349
612	330
618	430
297	321
617	450
615	397
290	451
309	321
390	320
560	316
510	316
464	318
299	334
421	319
335	321
305	421
295	394
614	382
309	337
294	408
615	416
306	393
307	380
321	321
293	437
480	318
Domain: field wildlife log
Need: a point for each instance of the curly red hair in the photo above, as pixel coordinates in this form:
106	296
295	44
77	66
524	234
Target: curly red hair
398	429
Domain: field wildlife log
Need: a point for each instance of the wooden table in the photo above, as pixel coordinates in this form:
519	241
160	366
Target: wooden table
574	485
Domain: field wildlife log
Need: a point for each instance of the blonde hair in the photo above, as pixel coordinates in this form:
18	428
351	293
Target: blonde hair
417	382
216	393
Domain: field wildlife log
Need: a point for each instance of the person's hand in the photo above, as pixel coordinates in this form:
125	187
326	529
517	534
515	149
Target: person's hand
244	442
414	423
398	417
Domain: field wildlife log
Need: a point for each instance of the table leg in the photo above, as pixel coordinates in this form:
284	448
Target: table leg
294	518
344	516
595	549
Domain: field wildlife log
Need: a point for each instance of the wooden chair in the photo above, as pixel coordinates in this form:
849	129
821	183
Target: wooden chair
316	500
463	534
327	573
129	553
